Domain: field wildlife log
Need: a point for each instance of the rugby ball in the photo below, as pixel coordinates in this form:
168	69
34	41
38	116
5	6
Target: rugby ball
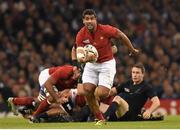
91	50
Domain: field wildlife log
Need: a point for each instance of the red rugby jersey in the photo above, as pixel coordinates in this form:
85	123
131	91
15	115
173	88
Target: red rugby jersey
63	76
100	39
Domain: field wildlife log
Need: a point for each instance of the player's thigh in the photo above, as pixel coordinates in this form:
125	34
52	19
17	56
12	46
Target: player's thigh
123	106
101	92
107	73
90	75
80	89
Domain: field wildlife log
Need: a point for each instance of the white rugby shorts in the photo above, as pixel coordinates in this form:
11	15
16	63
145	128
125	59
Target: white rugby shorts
100	73
43	76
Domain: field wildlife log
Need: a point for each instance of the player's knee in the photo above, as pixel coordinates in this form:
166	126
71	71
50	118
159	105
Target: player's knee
117	99
88	88
121	103
101	92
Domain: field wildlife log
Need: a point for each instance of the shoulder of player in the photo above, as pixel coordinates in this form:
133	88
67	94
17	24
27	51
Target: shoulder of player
64	68
125	84
146	84
104	26
81	31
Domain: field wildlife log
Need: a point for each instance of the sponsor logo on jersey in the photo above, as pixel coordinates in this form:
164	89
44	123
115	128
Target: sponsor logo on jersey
126	90
86	41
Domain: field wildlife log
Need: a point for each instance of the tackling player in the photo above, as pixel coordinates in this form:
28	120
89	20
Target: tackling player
51	81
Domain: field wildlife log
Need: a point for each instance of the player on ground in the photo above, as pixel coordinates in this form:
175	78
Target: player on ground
75	109
102	72
131	98
51	81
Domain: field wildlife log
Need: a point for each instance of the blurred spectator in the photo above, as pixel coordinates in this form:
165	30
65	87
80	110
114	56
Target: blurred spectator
168	91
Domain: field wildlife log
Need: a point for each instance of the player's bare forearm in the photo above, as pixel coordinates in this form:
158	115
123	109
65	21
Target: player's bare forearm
127	42
155	104
81	55
73	53
49	87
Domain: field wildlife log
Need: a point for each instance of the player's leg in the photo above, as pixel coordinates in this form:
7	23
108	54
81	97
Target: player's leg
101	92
30	103
92	101
80	89
117	109
44	105
122	108
90	80
20	101
107	72
13	107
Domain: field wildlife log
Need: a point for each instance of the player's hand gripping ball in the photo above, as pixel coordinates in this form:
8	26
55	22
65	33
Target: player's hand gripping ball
92	52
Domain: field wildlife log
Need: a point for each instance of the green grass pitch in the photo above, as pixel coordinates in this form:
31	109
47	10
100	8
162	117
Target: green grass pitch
170	122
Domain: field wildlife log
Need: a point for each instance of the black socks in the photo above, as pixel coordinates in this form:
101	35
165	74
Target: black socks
111	110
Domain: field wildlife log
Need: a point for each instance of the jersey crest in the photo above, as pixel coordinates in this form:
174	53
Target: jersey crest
127	90
87	41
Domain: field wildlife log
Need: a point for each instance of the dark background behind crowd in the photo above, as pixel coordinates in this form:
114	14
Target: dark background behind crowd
36	34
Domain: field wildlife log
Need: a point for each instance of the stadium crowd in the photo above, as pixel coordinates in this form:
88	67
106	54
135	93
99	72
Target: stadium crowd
39	34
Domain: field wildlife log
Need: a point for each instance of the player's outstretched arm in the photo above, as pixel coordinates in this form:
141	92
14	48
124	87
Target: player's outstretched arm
127	42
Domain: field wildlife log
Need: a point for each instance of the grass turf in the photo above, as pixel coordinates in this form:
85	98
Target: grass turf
170	122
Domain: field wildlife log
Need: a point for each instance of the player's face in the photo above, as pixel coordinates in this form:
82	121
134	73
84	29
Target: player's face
137	75
90	22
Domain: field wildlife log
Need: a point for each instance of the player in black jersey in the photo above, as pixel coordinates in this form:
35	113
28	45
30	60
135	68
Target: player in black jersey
131	97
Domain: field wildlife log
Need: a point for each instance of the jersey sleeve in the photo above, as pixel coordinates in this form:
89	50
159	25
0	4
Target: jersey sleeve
110	31
62	73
